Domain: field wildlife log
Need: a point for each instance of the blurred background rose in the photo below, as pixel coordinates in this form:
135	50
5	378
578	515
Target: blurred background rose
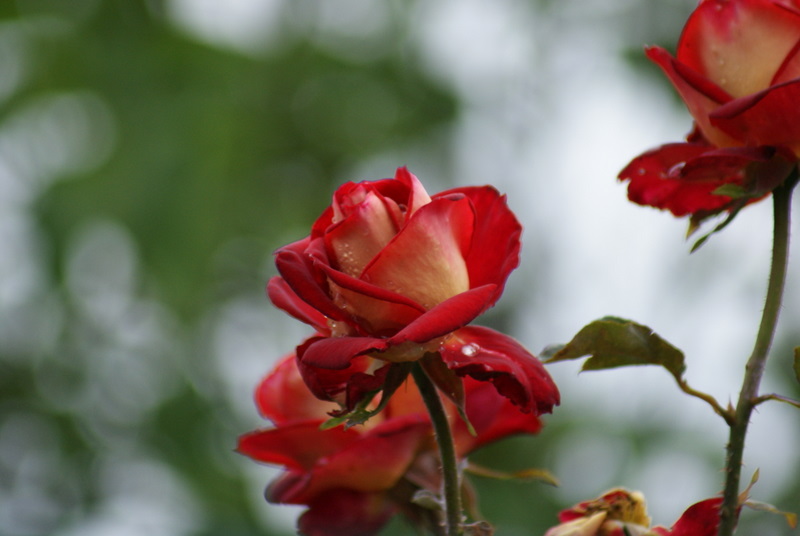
153	153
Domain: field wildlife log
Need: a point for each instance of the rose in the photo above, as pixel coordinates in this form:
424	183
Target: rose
391	273
737	69
354	479
619	512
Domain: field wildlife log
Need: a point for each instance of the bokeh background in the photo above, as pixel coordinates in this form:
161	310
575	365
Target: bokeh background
153	153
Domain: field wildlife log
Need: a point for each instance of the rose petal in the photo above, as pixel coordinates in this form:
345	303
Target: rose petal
425	261
740	46
337	352
378	310
700	94
362	231
700	519
283	396
375	462
446	317
346	513
493	417
283	297
495	246
296	446
653	181
488	355
298	272
770	117
417	196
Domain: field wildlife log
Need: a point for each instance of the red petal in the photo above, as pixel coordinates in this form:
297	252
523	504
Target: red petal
417	196
654	181
739	45
283	396
700	519
375	462
770	117
494	251
425	260
332	384
493	416
701	95
488	355
446	317
378	309
346	513
297	270
283	297
337	352
296	446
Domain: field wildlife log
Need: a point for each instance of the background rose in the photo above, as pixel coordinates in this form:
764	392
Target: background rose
738	71
353	479
394	274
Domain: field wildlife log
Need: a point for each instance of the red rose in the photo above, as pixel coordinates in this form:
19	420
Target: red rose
353	480
391	273
737	68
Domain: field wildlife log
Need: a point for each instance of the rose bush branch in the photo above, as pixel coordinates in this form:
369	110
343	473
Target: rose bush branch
748	397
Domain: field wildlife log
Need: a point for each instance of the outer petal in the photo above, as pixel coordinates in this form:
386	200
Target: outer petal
373	463
700	519
297	446
297	269
446	317
346	513
425	261
493	416
494	251
336	353
283	396
653	183
701	95
770	117
487	355
283	297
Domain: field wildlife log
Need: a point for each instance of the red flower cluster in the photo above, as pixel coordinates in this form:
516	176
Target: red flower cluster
354	479
737	68
619	512
390	275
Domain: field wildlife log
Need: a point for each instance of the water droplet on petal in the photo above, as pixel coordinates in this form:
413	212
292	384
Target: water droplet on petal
470	349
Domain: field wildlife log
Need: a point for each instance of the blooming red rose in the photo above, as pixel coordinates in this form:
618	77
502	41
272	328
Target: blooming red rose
392	274
353	480
619	512
737	68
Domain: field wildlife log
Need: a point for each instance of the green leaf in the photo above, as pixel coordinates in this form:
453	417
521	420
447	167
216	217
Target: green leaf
615	342
797	363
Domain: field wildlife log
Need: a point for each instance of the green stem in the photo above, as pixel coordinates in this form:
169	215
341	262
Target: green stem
754	370
447	451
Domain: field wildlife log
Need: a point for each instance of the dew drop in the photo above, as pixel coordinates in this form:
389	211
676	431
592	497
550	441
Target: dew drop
470	350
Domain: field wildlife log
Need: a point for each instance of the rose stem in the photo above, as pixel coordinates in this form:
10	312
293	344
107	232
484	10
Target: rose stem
447	451
754	370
